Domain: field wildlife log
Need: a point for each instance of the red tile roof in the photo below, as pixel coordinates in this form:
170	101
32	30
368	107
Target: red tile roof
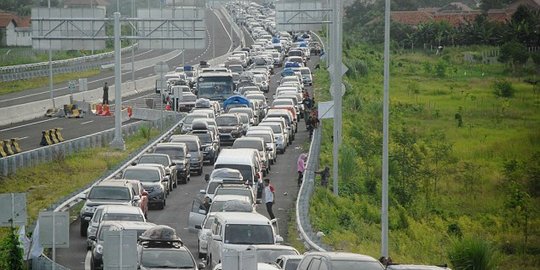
411	17
6	18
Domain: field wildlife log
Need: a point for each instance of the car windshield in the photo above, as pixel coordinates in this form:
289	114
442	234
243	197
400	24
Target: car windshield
123	217
155	160
234	191
142	175
193	146
245	170
190	117
267	138
226	121
246	234
248	144
174	153
292	264
355	265
204	137
270	255
305	71
212	187
208	222
167	258
275	128
109	193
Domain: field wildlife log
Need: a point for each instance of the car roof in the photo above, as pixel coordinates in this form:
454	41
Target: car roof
112	184
172	144
128	225
249	139
229	197
276	247
186	137
154	154
145	167
243	217
343	256
288	257
415	267
118	208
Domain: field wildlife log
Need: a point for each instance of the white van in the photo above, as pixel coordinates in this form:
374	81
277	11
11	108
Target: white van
244	160
238	231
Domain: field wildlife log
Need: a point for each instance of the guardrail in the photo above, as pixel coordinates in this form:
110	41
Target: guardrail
10	164
28	71
303	223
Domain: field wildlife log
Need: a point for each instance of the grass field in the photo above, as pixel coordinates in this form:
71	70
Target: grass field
21	85
49	182
449	181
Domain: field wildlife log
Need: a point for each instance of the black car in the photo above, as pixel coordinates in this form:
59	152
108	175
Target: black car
180	156
164	160
229	127
209	144
159	248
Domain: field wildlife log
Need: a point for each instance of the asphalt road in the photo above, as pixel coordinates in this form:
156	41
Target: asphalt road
283	176
30	131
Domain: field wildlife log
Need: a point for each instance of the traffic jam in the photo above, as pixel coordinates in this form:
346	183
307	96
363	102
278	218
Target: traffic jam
236	127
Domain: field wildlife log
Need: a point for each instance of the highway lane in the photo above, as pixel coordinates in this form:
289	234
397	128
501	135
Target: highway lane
30	131
191	56
283	176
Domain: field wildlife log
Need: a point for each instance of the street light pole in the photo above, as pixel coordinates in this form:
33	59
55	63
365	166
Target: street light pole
384	210
336	89
118	141
50	63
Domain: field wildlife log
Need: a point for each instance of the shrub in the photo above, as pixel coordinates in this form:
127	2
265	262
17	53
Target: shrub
440	69
503	88
472	254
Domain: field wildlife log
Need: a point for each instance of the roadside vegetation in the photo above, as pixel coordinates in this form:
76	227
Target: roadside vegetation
464	160
21	85
464	150
47	183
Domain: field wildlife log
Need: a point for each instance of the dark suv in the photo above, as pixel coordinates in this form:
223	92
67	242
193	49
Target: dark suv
229	127
209	144
107	192
180	156
194	149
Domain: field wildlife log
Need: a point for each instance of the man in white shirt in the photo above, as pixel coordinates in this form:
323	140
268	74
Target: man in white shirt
269	197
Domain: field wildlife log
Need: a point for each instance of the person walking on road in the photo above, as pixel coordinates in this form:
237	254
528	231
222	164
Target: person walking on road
301	167
105	94
269	195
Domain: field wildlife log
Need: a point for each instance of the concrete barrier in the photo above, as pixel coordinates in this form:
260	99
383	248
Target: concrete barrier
150	114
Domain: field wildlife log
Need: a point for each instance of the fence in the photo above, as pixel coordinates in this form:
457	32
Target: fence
10	164
28	71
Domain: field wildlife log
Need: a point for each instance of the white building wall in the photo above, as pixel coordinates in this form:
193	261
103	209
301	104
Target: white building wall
18	36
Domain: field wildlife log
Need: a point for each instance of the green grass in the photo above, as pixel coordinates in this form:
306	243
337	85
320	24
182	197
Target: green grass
27	55
48	182
21	85
436	197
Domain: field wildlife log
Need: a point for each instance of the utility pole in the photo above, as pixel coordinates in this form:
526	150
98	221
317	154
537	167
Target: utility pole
50	63
118	141
386	115
337	87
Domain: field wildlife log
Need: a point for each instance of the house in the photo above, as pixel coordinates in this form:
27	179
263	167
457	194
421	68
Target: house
457	13
15	30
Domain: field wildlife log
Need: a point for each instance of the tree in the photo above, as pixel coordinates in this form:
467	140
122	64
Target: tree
513	53
489	4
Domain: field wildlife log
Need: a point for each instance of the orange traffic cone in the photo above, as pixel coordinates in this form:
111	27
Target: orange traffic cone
106	110
99	108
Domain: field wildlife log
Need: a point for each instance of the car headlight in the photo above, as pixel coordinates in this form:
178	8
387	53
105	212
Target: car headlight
99	249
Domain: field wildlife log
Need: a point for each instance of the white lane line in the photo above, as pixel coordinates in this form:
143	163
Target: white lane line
225	28
29	124
22	138
87	122
87	260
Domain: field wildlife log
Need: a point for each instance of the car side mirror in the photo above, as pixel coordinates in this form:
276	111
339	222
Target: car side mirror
206	177
201	265
202	211
133	163
188	156
173	164
136	198
268	148
217	237
198	227
258	201
202	191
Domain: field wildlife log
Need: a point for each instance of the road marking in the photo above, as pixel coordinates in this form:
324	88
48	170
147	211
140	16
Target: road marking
25	137
87	122
87	261
29	124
